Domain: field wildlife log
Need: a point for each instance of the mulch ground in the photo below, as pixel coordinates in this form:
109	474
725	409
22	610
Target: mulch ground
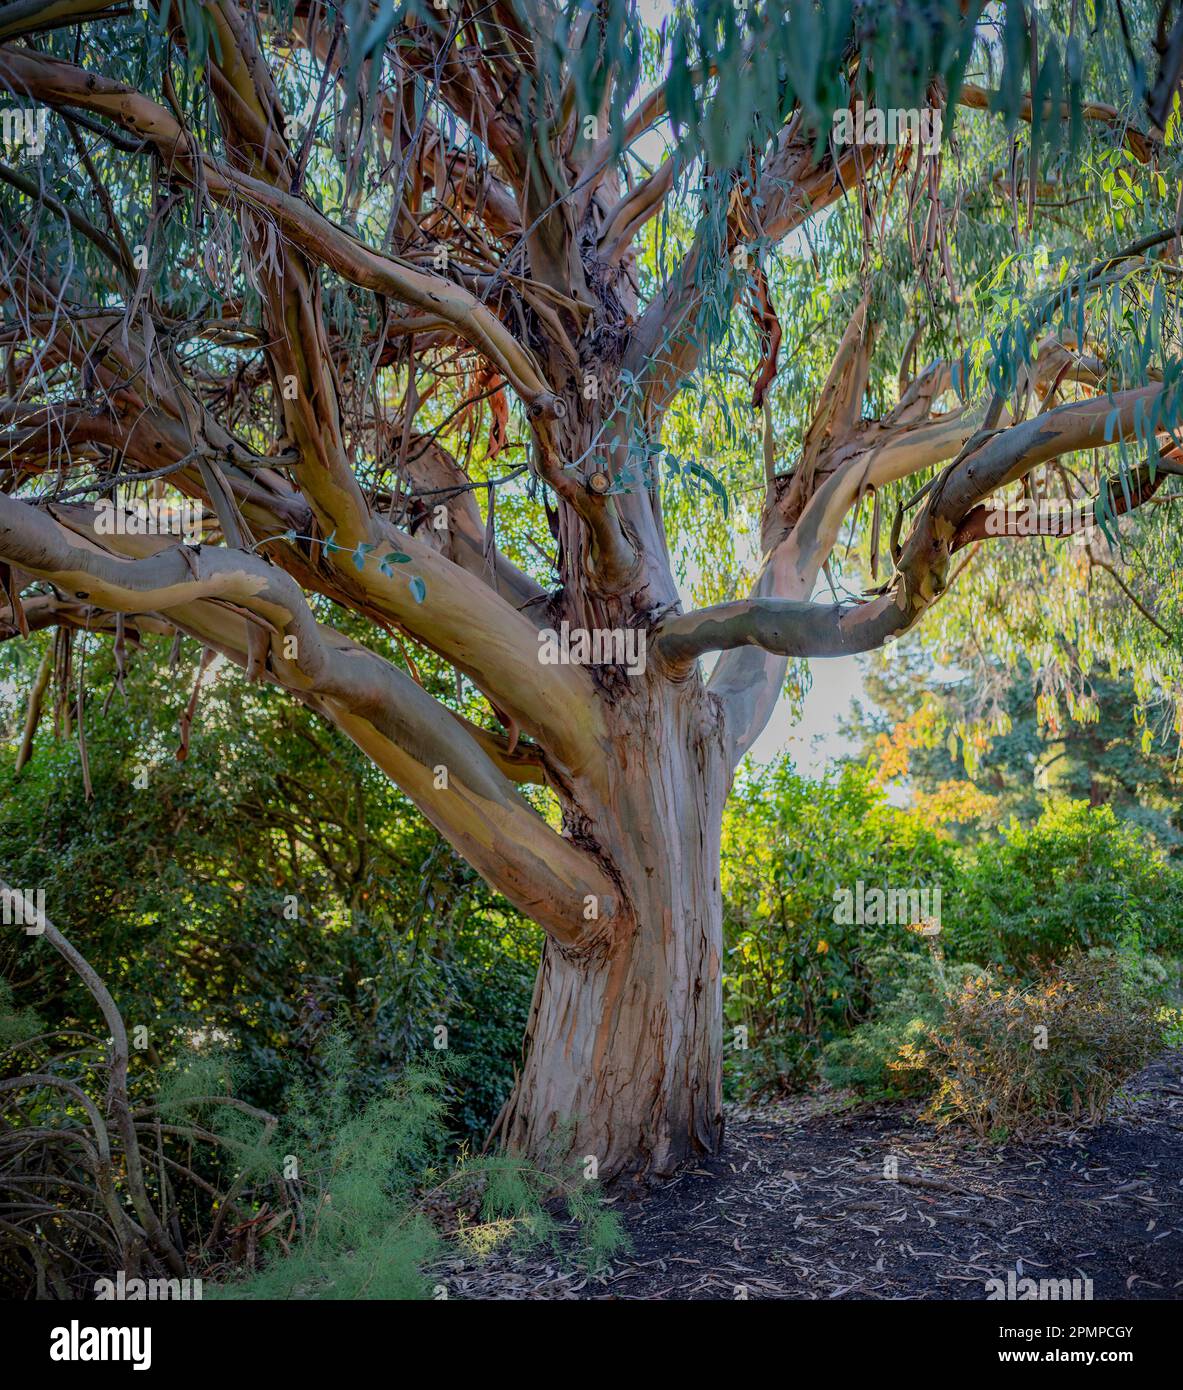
797	1207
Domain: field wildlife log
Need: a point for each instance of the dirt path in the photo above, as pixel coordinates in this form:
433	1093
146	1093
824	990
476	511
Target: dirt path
798	1207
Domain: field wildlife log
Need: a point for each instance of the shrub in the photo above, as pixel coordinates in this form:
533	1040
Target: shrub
909	1001
378	1200
340	900
1078	878
807	988
794	977
971	1040
1006	1060
162	1170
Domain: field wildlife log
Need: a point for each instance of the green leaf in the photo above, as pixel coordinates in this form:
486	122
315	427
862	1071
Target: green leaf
392	557
699	471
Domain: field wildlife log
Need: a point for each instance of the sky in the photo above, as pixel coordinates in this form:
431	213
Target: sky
811	739
814	741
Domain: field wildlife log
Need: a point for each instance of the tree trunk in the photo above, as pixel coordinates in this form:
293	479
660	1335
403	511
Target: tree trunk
624	1043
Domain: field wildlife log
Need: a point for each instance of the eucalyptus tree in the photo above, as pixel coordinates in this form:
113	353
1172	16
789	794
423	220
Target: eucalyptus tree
282	260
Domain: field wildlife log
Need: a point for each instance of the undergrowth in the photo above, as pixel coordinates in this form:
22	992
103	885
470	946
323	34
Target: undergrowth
375	1201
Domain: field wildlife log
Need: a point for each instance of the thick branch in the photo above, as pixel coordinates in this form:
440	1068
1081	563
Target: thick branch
232	601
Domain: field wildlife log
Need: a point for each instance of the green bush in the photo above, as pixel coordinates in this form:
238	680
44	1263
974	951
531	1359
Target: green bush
793	977
254	892
377	1199
1078	878
342	1195
1004	1058
908	1002
799	985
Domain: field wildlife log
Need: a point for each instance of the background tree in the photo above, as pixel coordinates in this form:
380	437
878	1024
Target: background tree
276	255
980	745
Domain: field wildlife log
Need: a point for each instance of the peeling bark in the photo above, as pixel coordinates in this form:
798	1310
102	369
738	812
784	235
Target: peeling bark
624	1045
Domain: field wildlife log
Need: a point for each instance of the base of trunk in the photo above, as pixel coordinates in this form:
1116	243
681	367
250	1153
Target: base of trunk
623	1060
621	1068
